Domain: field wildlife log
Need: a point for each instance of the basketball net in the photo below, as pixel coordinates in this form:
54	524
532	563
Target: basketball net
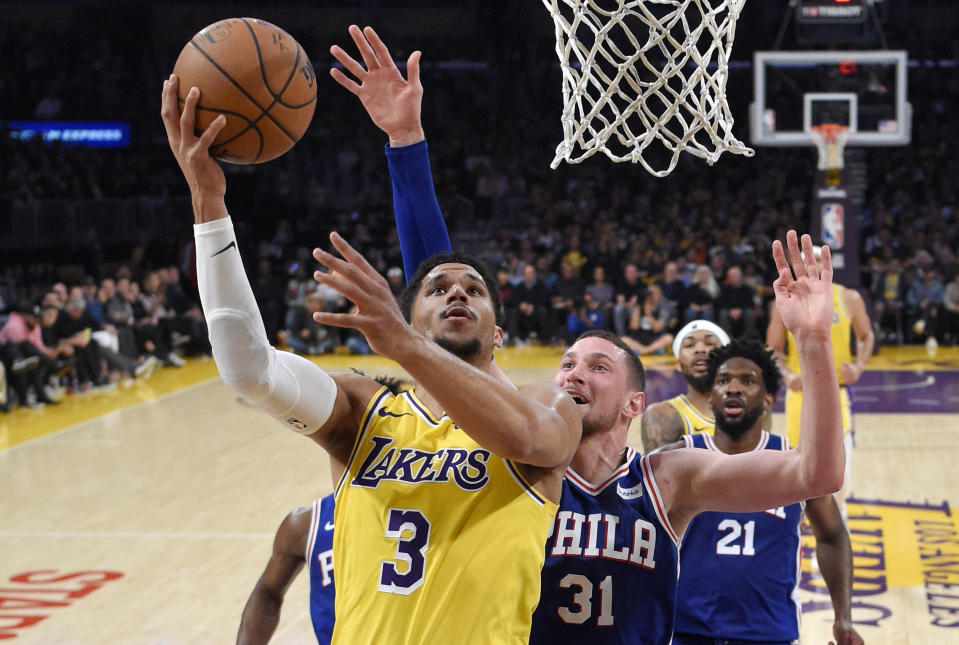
645	72
831	140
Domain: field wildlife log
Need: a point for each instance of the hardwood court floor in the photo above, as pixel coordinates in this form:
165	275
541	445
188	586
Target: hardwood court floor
146	515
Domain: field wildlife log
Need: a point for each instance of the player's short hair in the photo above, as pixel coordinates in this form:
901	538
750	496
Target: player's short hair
750	349
637	374
408	297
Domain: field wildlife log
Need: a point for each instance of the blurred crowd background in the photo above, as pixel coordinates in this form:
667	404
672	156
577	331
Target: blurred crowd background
594	245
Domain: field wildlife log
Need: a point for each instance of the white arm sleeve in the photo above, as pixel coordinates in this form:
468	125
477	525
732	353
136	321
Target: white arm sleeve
286	386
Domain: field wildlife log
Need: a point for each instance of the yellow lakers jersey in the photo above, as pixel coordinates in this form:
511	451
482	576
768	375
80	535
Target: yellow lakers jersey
841	332
693	420
437	540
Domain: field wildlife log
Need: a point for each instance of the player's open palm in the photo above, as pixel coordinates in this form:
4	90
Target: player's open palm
376	314
392	101
804	302
192	151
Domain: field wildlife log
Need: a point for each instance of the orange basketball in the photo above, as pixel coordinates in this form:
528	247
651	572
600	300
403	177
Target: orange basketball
256	75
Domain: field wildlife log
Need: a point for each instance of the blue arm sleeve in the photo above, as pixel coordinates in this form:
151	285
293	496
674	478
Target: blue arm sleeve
419	221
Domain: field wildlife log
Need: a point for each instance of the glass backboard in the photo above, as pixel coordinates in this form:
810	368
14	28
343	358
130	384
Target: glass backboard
863	90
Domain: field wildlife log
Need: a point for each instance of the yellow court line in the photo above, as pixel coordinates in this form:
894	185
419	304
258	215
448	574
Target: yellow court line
23	424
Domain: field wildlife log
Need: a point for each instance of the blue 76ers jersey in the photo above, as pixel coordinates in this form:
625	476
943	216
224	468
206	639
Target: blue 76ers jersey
612	563
741	570
319	560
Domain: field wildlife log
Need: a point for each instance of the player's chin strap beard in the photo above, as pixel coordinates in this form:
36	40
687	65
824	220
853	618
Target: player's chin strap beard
736	429
702	384
466	349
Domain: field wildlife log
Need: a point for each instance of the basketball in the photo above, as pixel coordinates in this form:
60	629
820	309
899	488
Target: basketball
256	75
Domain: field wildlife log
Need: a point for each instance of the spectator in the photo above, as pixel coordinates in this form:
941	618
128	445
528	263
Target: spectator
150	337
599	290
75	327
699	297
674	293
530	308
735	306
294	298
924	300
950	311
648	331
584	316
28	362
630	292
887	295
567	292
306	336
186	320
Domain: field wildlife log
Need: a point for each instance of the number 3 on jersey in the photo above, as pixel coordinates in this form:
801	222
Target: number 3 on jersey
411	530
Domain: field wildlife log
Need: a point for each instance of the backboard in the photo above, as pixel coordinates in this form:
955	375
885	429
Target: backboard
863	90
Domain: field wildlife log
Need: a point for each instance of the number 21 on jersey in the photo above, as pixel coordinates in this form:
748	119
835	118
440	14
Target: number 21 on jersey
729	544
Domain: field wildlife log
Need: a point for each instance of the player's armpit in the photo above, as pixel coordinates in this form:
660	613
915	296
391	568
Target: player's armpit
338	434
660	425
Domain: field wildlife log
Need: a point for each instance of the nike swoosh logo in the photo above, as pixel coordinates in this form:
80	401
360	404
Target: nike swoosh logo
231	245
630	493
383	412
328	526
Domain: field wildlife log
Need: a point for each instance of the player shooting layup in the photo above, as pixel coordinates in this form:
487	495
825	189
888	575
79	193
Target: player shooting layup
442	485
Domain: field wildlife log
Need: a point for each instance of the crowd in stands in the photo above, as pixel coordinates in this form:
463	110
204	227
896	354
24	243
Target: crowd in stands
90	336
596	245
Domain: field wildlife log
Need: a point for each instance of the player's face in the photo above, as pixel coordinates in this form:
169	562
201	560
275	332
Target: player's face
454	308
691	362
594	372
738	397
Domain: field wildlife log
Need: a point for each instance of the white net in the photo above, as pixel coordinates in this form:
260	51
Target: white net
830	140
644	80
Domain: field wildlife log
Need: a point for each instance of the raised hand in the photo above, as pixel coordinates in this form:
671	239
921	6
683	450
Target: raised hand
391	101
376	314
192	152
804	302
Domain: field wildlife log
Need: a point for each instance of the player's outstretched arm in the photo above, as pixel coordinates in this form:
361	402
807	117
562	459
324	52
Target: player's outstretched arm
660	425
288	387
262	611
834	554
806	307
394	105
697	480
539	426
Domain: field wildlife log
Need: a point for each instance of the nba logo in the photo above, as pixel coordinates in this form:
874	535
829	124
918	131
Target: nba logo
832	225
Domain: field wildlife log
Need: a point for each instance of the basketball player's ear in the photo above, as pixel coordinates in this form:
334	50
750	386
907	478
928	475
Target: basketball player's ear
635	404
768	400
497	337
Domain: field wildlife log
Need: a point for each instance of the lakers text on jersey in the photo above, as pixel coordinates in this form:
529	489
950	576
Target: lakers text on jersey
438	540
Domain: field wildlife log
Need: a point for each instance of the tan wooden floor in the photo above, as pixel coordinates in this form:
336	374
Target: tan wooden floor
150	522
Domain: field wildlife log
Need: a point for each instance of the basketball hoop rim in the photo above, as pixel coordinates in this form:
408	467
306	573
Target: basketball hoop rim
828	132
